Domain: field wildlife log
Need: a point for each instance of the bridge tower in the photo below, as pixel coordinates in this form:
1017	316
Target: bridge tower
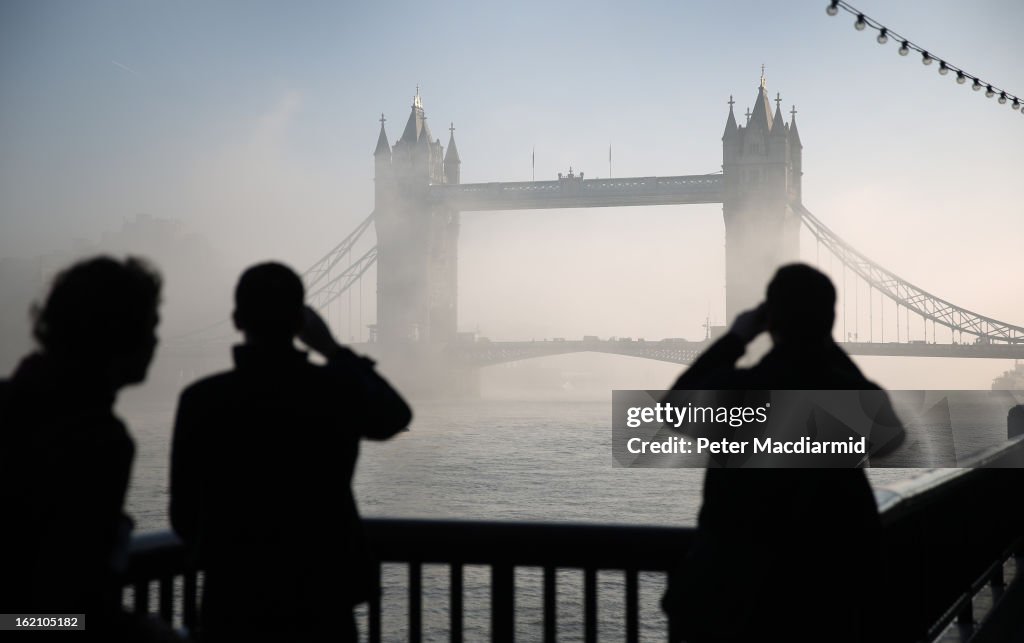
761	164
417	240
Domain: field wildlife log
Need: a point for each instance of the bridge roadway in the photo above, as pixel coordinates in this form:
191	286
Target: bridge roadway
675	351
577	192
486	353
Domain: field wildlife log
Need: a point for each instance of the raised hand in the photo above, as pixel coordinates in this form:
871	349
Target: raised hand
750	323
316	334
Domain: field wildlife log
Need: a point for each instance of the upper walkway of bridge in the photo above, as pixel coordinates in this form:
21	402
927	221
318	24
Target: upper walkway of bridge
573	191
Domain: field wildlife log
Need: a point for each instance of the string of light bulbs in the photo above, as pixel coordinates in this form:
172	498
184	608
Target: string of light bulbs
927	58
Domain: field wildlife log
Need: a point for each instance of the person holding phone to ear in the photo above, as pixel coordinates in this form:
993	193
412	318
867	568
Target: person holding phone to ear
261	470
781	554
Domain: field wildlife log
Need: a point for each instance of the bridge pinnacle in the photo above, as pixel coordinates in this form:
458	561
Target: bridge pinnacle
383	147
794	135
452	155
451	158
416	126
761	116
730	123
778	126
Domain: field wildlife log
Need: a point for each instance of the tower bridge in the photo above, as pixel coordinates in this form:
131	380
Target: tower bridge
419	199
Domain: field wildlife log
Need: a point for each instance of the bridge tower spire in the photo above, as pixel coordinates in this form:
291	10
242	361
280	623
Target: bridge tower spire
417	239
796	155
761	168
730	123
382	171
451	158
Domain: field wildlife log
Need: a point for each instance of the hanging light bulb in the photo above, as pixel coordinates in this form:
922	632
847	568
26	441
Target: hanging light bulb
862	23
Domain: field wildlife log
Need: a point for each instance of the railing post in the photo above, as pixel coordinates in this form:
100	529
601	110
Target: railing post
502	603
455	603
673	624
141	597
373	615
167	598
632	607
415	601
590	605
190	596
550	606
997	581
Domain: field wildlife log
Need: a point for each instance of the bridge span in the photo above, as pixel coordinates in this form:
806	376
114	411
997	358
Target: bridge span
676	351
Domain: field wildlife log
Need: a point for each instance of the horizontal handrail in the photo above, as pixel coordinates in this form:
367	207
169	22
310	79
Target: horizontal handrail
896	499
467	542
526	544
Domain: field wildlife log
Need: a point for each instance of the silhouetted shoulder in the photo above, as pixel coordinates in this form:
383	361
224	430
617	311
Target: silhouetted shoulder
346	391
299	375
209	385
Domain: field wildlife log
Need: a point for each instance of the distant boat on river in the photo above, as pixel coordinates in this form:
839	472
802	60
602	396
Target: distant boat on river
1011	380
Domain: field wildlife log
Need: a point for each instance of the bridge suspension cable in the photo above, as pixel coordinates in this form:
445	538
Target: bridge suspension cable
322	268
339	284
323	288
913	298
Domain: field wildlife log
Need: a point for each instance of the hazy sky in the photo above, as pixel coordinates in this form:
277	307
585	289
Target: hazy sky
254	123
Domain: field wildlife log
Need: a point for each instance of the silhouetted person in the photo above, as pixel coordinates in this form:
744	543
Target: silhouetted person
1015	421
261	472
65	458
781	554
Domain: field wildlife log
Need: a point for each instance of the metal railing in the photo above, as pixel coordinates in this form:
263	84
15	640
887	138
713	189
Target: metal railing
947	534
505	546
501	546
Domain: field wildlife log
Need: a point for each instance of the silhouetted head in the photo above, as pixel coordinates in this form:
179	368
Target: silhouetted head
269	303
801	305
102	313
